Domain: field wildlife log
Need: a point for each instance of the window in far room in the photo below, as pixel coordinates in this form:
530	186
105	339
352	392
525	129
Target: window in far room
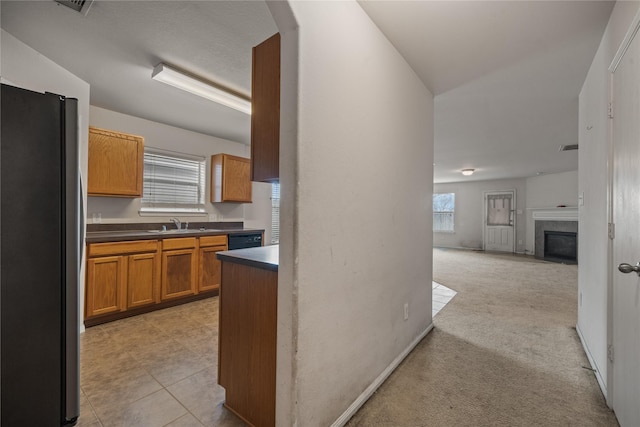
443	212
275	213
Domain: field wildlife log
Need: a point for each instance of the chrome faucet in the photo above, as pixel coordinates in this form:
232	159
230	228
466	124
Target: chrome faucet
176	221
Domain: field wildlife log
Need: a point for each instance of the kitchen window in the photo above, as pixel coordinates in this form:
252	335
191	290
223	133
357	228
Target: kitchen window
275	213
173	183
443	212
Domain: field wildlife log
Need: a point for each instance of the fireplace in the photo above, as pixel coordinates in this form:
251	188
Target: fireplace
561	246
563	237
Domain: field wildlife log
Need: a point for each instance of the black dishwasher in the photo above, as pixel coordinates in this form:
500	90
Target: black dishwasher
244	240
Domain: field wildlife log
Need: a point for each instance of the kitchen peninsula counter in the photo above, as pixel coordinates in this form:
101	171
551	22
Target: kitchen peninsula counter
247	333
264	257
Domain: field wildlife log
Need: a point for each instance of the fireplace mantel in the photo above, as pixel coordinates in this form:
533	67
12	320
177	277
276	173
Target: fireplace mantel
555	214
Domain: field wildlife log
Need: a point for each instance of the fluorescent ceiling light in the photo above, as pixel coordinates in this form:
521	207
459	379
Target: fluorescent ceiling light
467	172
170	76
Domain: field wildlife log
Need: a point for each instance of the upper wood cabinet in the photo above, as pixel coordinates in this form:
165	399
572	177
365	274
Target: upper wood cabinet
230	179
115	163
265	114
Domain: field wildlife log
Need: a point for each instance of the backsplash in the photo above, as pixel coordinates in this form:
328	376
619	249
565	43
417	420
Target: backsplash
169	225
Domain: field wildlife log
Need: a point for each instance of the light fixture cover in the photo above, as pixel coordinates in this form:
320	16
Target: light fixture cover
468	172
170	76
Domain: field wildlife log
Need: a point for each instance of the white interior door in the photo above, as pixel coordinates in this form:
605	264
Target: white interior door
499	221
626	244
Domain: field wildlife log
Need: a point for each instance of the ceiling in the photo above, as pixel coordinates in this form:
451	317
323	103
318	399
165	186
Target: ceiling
506	74
116	45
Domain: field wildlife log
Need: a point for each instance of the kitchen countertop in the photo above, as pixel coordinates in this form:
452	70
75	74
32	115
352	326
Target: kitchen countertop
264	257
125	235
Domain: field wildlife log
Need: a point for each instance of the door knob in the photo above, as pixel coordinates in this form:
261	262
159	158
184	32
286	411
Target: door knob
628	268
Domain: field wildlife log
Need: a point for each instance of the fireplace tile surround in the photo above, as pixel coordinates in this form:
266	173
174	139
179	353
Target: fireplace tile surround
559	218
550	225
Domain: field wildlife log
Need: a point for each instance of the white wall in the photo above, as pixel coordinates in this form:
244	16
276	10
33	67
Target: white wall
593	243
554	189
24	67
161	136
356	178
545	191
549	191
469	212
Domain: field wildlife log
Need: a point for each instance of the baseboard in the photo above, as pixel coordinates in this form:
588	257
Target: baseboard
458	247
366	394
601	381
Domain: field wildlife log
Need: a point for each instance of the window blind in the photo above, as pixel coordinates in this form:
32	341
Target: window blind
173	183
275	213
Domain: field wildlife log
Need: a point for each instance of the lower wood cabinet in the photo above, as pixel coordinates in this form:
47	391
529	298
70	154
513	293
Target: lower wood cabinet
142	274
179	267
247	342
121	276
143	280
209	268
106	285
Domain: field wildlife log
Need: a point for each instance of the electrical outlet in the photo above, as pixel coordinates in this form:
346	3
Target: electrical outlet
406	311
96	218
519	242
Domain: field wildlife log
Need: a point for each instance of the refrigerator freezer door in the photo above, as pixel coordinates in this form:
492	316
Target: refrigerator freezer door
34	259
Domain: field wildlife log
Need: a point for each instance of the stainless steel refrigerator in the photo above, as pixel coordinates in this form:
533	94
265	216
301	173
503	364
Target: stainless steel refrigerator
40	225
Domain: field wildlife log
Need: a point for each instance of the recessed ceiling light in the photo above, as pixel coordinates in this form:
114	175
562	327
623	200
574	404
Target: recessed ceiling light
467	172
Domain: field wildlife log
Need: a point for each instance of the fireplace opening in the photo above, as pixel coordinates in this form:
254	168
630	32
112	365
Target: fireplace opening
561	246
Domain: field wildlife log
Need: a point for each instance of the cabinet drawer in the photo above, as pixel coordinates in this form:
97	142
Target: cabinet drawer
213	241
180	243
121	248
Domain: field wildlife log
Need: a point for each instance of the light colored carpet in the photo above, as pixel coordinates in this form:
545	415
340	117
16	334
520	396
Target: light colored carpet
504	352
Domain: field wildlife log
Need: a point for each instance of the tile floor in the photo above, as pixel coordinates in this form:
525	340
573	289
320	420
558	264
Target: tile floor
441	297
160	368
157	369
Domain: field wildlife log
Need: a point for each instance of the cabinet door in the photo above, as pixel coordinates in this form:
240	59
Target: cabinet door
179	273
265	110
115	164
230	178
209	271
237	180
143	280
106	285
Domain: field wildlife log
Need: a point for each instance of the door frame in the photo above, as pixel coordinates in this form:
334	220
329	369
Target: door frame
611	268
484	216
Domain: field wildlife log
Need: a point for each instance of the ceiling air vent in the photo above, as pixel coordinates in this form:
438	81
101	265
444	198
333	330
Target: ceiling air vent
568	147
81	6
